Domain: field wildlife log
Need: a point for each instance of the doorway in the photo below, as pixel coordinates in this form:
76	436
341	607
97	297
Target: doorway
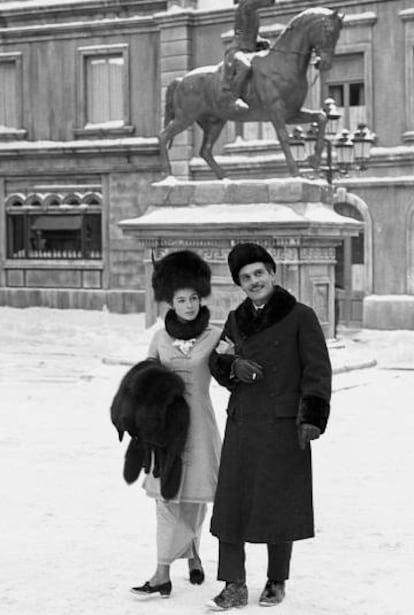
350	272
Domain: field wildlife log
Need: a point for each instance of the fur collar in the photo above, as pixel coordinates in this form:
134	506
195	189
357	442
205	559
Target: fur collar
251	321
187	330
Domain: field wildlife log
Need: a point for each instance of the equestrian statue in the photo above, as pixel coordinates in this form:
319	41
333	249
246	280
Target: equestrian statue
257	81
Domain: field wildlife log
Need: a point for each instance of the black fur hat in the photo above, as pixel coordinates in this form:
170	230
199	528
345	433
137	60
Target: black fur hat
244	254
178	270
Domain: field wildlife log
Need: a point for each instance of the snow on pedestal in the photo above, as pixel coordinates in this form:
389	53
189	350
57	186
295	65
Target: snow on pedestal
291	217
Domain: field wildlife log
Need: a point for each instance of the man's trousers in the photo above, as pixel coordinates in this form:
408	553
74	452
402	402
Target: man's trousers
231	565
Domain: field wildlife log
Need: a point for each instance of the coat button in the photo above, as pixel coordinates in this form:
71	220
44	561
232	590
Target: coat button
275	369
276	343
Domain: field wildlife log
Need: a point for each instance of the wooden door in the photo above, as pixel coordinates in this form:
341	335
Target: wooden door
349	273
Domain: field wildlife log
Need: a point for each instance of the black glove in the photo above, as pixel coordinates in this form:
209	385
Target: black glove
306	433
246	370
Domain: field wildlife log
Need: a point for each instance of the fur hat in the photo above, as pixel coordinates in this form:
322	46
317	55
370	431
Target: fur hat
244	254
178	270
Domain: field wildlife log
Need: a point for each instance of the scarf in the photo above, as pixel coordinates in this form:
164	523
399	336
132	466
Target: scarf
187	330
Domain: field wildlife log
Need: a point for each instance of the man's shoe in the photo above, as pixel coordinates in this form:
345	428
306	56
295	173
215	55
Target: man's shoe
273	593
234	595
164	589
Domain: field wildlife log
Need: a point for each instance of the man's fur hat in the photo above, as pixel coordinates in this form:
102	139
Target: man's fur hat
244	254
150	406
178	270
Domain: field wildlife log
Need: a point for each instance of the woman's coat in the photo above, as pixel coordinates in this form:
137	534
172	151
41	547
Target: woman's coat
264	491
202	450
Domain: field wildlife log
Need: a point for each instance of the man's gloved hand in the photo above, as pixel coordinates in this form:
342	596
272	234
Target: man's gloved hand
306	433
246	370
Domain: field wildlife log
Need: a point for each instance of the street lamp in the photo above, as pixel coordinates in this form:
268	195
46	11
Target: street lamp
297	145
363	140
352	150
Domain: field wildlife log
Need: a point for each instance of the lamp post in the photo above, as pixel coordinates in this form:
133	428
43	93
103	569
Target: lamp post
352	150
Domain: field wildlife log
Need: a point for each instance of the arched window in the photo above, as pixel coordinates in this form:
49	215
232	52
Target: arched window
34	200
54	226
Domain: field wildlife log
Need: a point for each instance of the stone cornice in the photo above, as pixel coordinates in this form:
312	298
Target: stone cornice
133	145
75	17
264	161
376	182
75	27
360	19
407	14
396	153
35	11
292	7
182	17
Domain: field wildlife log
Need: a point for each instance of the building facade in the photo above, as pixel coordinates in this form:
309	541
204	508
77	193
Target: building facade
81	104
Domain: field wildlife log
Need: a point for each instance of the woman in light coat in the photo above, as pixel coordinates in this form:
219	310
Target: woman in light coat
184	345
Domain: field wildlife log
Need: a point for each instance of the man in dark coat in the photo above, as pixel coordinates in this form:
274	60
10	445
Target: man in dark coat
273	358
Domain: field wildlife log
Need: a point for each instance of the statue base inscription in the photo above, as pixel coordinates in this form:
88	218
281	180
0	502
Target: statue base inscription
293	218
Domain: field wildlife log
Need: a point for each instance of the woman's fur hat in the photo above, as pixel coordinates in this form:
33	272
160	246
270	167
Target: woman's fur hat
178	270
246	253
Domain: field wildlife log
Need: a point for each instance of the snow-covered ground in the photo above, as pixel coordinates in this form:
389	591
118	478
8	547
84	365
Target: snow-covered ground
75	537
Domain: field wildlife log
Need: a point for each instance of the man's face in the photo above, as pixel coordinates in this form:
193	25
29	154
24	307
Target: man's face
257	282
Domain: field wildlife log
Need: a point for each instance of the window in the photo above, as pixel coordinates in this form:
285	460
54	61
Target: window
345	83
103	91
8	91
52	228
11	96
104	98
407	16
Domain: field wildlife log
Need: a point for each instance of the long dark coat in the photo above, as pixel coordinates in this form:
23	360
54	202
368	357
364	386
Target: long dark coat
264	492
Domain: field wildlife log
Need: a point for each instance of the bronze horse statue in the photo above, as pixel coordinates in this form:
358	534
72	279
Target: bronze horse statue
275	90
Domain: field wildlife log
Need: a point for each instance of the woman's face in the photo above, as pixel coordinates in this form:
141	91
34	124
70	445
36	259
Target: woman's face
186	304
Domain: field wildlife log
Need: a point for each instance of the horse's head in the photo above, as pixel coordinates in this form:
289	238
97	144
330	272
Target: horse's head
323	35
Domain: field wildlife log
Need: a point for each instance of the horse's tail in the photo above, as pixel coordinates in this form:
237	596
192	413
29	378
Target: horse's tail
169	104
169	101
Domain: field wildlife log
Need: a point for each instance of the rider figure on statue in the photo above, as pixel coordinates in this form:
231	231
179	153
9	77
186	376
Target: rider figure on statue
246	40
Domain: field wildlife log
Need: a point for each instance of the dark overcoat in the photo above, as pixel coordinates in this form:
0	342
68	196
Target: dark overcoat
264	491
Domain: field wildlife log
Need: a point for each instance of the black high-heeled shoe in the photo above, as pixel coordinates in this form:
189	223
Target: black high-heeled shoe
164	589
197	576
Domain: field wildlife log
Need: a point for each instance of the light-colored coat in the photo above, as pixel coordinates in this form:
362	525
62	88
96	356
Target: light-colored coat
202	451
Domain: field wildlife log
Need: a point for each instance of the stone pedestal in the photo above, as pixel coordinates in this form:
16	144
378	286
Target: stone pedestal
292	218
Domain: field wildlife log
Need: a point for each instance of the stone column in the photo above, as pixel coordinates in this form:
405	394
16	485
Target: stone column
176	61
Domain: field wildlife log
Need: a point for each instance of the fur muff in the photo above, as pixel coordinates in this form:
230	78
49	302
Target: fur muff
315	411
151	407
178	270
